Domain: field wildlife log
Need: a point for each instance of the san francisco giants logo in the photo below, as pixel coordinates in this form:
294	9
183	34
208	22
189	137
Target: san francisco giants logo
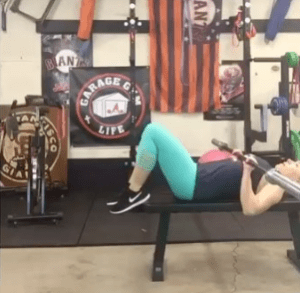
14	150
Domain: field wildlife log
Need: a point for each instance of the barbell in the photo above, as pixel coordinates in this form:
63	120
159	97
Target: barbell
272	176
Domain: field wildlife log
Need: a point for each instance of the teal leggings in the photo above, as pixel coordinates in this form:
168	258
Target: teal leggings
159	144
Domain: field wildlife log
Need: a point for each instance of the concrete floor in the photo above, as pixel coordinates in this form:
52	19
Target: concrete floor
190	268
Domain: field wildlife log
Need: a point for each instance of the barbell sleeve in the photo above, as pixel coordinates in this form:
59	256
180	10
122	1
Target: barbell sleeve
224	146
290	186
221	145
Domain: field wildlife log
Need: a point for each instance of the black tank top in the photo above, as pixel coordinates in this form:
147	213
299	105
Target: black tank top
221	180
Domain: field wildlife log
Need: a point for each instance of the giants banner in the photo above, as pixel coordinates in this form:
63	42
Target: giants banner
231	93
100	109
12	150
184	55
59	54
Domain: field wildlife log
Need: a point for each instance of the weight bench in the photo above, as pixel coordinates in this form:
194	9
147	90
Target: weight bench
166	204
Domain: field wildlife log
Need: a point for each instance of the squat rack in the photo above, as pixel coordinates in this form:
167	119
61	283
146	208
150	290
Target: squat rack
286	148
132	26
251	135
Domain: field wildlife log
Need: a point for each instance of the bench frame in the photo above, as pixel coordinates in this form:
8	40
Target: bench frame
165	211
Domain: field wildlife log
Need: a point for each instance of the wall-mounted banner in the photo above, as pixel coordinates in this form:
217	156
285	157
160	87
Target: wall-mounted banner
59	54
231	93
11	151
184	50
99	105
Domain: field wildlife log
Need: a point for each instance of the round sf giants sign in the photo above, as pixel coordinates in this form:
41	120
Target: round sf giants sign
102	106
14	150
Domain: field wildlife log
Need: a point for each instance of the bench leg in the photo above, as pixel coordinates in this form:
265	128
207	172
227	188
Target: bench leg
161	241
294	255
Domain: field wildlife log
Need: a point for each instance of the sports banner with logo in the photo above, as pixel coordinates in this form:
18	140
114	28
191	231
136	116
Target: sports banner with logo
100	109
231	93
184	55
59	54
13	174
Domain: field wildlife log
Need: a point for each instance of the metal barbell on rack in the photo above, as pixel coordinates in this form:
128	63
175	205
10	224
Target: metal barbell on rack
278	106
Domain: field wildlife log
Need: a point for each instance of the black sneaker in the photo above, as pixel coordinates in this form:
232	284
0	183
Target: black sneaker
129	200
114	199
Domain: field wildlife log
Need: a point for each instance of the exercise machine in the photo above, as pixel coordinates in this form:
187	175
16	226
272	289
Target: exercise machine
35	160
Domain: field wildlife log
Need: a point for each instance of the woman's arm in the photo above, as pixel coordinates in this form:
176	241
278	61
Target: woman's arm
255	204
267	196
247	196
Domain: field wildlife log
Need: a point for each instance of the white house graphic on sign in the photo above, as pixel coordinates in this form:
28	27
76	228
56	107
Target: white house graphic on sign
110	105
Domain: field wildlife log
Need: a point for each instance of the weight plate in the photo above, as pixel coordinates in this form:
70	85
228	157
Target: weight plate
292	59
295	139
279	106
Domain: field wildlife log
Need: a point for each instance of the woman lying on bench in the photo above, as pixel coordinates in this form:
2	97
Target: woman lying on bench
225	179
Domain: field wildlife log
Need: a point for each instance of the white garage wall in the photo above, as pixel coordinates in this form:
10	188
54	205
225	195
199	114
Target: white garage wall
20	70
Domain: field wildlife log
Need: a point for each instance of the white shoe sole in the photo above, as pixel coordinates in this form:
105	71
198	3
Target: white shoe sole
132	206
111	203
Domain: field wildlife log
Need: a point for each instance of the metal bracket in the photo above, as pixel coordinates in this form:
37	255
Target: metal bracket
258	136
261	135
15	8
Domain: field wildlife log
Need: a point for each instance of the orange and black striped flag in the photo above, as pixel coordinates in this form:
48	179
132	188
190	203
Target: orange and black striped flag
184	50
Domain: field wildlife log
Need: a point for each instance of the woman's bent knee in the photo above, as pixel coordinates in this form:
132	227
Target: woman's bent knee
153	127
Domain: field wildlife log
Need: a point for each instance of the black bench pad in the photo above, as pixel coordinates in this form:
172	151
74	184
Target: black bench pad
162	200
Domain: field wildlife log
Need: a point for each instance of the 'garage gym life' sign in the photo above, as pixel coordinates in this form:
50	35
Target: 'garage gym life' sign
100	105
